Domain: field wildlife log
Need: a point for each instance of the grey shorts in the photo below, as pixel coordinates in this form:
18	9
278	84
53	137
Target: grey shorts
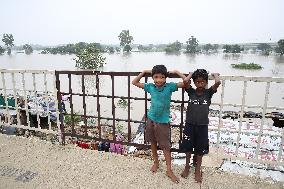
158	133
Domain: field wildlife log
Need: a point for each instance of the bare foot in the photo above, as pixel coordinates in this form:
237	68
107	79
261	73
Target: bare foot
155	167
185	172
198	176
172	176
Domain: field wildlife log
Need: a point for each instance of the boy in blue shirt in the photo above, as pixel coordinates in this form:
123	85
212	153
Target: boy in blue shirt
195	134
157	130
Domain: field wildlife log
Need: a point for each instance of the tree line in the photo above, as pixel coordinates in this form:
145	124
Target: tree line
89	55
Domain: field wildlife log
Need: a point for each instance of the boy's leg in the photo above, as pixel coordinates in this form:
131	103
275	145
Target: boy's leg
154	149
198	175
170	174
185	172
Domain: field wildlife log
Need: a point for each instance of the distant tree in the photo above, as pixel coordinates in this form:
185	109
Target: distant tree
72	48
117	49
232	49
173	47
207	47
145	48
2	50
280	48
191	45
215	47
28	49
140	48
265	48
227	48
125	40
236	49
9	42
111	50
90	58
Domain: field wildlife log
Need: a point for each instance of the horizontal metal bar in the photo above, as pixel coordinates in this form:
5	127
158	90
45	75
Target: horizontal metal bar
27	71
244	132
30	128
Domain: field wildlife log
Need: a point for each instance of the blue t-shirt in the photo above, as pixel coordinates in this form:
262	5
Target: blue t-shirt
160	101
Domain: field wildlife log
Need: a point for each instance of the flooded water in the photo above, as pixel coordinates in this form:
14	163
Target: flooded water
273	66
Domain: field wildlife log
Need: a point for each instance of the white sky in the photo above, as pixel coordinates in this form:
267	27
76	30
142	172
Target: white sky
52	22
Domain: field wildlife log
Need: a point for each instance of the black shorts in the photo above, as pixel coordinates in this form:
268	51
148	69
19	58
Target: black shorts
195	139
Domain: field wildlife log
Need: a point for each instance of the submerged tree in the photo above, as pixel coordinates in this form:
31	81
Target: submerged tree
232	49
280	48
90	58
265	48
173	47
28	49
125	40
2	50
9	42
191	45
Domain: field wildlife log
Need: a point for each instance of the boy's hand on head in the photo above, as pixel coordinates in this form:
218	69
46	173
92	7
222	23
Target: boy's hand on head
147	71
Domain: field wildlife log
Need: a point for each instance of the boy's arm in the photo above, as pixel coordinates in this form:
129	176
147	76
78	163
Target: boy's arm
187	81
217	81
179	84
136	80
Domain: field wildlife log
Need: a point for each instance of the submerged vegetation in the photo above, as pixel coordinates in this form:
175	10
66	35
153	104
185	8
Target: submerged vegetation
250	66
191	46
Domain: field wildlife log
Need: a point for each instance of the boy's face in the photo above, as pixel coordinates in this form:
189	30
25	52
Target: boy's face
159	79
200	83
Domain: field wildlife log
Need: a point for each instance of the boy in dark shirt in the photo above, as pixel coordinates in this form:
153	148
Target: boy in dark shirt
195	134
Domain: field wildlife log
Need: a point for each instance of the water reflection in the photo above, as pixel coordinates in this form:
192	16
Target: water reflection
173	53
279	59
190	57
228	56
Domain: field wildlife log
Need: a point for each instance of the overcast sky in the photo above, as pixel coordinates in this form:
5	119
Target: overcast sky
52	22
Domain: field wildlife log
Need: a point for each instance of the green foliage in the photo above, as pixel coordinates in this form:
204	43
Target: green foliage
209	47
232	49
125	40
127	48
265	48
68	119
173	47
72	48
280	48
148	48
191	45
119	127
122	103
117	49
90	58
2	50
9	42
28	49
250	66
111	50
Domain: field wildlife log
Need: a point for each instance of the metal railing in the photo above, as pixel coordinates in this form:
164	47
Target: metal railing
27	89
94	125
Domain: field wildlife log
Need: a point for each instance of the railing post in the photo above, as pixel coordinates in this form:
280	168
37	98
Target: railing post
98	105
84	105
128	108
241	117
59	105
221	112
113	108
262	119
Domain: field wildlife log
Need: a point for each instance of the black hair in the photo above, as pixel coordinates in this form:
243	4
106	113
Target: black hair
200	73
160	69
